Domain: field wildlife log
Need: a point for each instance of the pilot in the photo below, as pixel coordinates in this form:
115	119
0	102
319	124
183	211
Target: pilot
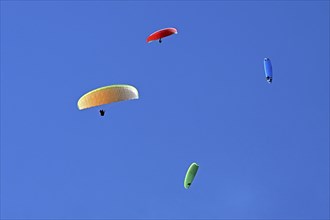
269	79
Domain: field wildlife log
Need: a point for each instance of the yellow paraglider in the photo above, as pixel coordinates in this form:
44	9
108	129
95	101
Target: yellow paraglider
107	95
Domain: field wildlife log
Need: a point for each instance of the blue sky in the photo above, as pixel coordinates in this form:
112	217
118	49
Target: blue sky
263	149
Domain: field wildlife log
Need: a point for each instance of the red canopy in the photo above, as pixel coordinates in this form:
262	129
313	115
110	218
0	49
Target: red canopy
161	34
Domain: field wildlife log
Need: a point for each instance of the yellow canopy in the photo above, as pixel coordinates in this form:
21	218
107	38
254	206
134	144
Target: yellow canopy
107	95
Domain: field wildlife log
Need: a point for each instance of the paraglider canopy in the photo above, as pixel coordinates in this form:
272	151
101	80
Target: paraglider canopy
190	175
158	35
107	95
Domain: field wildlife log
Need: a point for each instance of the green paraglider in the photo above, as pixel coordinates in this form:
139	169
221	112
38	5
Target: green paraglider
190	175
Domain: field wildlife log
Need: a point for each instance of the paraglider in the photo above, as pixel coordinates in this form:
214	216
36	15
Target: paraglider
107	95
268	70
158	35
190	175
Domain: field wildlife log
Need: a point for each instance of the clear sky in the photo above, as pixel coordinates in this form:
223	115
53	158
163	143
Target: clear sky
263	149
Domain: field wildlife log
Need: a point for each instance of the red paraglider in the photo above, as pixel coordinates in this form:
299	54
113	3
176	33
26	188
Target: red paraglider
158	35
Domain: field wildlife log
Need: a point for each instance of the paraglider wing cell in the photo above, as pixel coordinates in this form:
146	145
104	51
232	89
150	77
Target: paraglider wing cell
158	35
190	175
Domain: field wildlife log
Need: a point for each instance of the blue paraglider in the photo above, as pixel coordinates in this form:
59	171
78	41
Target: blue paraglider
268	70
